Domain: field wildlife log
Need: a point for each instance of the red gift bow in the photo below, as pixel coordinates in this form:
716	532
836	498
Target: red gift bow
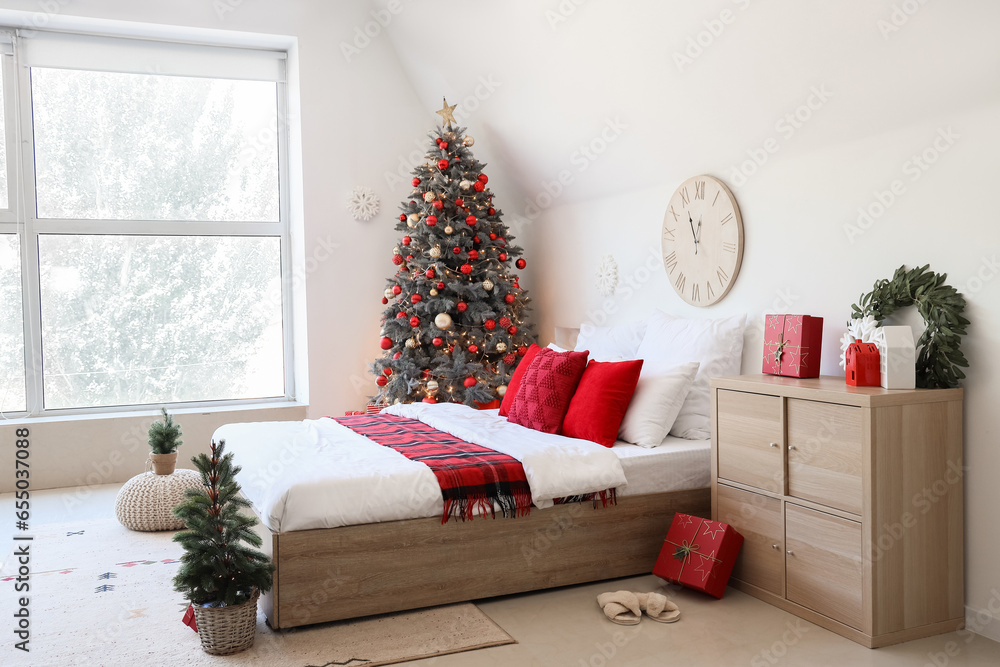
687	548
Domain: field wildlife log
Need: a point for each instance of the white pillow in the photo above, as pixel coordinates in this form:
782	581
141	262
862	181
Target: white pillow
553	346
655	404
611	343
716	344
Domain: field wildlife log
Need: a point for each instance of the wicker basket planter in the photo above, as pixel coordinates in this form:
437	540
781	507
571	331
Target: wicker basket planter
227	630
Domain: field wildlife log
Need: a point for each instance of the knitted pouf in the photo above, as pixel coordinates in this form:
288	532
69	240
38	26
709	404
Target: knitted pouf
146	501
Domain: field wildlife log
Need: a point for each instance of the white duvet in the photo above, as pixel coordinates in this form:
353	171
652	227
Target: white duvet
319	474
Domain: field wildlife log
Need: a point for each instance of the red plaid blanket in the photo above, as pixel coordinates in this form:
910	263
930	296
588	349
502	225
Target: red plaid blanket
471	476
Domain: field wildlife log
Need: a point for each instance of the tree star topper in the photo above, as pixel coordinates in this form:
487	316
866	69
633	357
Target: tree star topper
446	112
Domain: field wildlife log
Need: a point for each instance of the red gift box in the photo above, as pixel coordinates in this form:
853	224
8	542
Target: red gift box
792	345
699	554
375	408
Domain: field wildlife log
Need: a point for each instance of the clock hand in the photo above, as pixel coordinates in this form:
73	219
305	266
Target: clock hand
698	238
693	235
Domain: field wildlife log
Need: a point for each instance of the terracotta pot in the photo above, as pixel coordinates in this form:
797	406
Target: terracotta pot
164	464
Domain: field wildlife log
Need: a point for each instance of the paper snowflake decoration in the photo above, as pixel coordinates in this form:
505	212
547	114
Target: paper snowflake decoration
607	276
866	329
363	203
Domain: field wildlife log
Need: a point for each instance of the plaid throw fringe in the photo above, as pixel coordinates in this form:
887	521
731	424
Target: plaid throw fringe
471	477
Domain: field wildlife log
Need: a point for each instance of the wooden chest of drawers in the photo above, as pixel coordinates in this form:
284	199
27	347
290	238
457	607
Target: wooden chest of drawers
850	501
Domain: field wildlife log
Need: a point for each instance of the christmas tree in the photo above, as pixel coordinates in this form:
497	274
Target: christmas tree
454	325
217	566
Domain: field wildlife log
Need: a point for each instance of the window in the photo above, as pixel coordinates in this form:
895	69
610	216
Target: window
142	260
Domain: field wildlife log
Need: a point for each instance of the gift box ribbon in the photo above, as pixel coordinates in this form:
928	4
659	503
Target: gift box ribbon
688	547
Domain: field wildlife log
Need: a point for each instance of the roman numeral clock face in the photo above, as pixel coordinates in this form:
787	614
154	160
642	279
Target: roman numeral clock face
702	240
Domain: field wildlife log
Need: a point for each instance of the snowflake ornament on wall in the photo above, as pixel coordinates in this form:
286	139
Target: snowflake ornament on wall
607	276
363	203
865	329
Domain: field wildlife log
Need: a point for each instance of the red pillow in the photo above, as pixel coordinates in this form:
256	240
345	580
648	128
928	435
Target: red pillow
515	379
546	389
597	408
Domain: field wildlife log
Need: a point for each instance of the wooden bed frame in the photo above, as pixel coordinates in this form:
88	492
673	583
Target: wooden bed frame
337	573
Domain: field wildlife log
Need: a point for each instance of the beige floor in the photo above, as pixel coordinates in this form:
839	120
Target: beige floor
564	627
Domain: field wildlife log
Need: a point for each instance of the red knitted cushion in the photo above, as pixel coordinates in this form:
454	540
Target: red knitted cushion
515	379
597	408
546	389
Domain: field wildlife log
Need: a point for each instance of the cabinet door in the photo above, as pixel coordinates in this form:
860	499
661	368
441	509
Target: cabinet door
758	519
823	569
824	453
749	439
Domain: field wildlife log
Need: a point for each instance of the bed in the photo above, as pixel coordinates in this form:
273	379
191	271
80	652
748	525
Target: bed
374	541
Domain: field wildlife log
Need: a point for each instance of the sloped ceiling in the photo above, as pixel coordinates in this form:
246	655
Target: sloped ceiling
560	71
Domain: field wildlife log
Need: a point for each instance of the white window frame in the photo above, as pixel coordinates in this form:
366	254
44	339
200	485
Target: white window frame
20	218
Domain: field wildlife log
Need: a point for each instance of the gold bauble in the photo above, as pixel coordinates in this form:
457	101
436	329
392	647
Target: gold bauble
411	343
432	386
501	390
487	284
436	251
468	141
433	292
442	321
501	346
429	196
464	184
448	230
388	293
414	217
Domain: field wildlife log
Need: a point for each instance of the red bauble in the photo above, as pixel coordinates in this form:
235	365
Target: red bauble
409	257
483	178
397	355
493	237
521	351
461	306
406	240
402	217
440	286
505	321
457	250
517	285
489	325
400	315
384	300
492	211
470	382
438	141
443	145
512	330
509	359
473	254
438	204
385	343
416	182
397	259
475	239
509	298
471	221
387	372
437	342
414	321
503	257
473	348
426	373
429	399
520	263
429	273
442	164
478	187
416	298
466	269
459	203
396	289
381	380
432	220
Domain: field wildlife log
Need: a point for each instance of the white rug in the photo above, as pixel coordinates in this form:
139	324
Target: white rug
102	595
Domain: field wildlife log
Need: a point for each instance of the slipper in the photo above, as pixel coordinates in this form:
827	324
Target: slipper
621	607
658	607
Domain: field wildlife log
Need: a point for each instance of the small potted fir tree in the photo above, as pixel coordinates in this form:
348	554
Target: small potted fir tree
220	573
164	439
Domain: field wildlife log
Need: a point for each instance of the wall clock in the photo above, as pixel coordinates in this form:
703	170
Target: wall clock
702	240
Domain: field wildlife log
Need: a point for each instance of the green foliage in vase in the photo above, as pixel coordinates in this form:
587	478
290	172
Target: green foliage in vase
165	436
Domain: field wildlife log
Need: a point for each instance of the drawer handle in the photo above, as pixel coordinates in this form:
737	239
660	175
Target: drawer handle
774	444
789	552
775	546
791	447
